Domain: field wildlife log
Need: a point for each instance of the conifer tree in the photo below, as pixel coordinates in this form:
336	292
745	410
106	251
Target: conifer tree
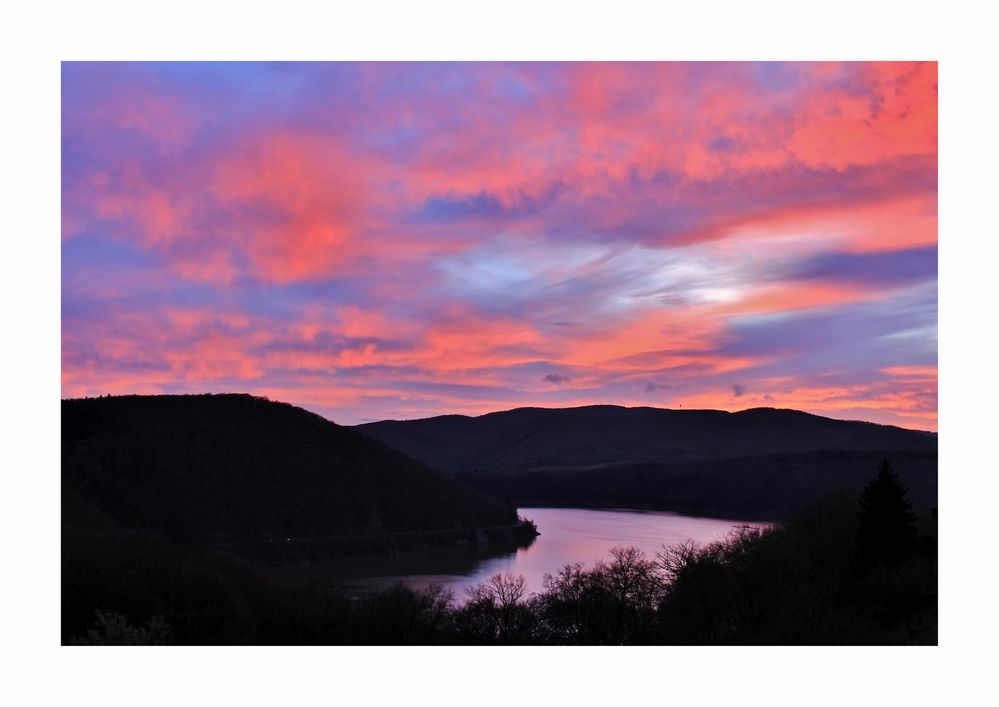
887	531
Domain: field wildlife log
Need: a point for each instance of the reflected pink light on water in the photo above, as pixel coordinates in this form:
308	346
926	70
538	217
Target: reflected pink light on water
569	535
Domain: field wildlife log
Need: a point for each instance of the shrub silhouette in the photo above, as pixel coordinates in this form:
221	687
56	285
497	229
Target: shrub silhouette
114	630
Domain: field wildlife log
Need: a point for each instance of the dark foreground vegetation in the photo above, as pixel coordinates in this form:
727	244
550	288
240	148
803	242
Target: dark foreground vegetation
851	569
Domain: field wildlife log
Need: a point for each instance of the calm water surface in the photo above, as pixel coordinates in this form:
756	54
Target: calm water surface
567	535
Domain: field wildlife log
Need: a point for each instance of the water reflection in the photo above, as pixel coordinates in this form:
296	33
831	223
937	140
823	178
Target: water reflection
567	535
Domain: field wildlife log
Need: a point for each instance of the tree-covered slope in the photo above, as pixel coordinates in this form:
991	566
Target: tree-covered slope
540	438
763	487
223	468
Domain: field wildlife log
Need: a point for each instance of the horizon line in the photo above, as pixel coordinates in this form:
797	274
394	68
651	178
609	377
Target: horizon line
494	412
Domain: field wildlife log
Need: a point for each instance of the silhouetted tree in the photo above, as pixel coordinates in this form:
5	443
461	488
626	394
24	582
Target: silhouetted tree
613	602
887	530
495	613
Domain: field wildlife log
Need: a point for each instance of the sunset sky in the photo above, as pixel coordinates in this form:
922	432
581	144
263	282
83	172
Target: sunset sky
384	240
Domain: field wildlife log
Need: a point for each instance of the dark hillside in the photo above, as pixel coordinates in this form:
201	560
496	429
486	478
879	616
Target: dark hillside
227	468
763	487
540	438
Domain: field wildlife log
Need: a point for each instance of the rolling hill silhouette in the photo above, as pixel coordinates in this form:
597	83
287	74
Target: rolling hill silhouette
543	438
227	468
762	462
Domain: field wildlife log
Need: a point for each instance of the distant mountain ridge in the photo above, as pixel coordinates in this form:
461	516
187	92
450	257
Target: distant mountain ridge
559	438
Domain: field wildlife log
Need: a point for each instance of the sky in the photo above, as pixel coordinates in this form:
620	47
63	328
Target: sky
382	240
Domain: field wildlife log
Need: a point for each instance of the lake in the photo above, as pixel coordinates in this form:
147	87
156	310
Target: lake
567	535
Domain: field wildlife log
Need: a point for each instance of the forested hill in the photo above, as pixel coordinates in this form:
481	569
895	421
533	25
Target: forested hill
221	468
541	438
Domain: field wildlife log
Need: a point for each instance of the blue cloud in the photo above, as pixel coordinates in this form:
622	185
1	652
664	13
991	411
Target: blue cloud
889	267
